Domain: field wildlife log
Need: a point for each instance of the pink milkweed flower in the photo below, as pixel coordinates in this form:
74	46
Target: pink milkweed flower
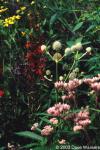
53	121
47	130
82	120
34	126
77	128
58	109
62	141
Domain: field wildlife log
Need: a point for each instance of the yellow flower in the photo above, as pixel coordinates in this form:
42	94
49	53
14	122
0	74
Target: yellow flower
3	10
6	25
22	8
23	33
18	17
32	2
17	11
11	22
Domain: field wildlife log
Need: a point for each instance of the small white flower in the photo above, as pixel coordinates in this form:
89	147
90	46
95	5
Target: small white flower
88	49
78	46
61	78
56	45
76	70
73	48
34	126
43	47
48	72
67	51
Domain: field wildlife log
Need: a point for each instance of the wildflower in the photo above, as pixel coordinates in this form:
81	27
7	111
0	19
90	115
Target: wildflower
43	48
62	141
82	119
95	86
72	75
77	128
58	108
76	70
23	33
56	45
57	57
78	46
61	78
53	121
11	20
34	126
67	51
3	9
18	11
73	48
69	96
33	2
47	130
1	93
48	72
88	49
22	8
18	17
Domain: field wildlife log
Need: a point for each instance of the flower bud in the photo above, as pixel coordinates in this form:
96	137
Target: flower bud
61	78
48	72
88	49
57	45
43	48
67	51
78	46
57	57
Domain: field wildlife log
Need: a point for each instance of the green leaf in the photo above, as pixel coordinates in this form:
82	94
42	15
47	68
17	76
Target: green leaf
97	110
78	26
53	19
29	145
31	135
90	28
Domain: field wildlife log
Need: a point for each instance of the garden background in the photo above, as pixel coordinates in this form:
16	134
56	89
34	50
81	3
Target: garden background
49	74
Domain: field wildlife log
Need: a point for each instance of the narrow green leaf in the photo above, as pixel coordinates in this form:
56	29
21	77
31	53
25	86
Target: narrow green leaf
53	19
78	26
28	134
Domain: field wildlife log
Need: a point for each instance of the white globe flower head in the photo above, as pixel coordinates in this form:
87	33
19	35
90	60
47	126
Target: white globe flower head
48	72
78	46
43	47
73	48
88	49
56	45
67	51
61	78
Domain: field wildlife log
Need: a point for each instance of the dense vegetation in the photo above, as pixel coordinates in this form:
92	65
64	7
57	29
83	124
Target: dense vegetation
49	74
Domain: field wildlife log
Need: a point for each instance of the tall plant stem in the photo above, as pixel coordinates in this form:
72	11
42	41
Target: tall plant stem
56	80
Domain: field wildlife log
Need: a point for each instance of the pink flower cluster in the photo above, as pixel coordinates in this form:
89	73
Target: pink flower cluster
70	86
91	80
95	86
58	109
70	95
47	130
53	121
81	120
